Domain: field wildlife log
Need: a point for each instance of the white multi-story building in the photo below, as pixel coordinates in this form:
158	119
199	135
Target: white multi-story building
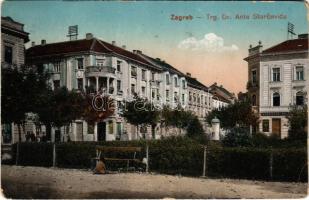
284	70
95	64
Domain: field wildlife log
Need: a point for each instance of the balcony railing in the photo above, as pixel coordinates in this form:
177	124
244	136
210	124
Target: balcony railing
106	69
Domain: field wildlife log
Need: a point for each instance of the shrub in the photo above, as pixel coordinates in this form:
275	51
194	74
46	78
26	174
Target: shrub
34	154
179	155
237	137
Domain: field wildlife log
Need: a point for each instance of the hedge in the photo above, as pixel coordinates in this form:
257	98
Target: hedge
178	155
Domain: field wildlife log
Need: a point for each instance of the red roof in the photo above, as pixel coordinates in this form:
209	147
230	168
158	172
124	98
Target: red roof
83	45
288	46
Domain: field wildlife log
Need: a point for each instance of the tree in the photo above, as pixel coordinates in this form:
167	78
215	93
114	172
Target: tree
141	112
237	137
182	119
195	128
96	107
21	87
297	119
239	113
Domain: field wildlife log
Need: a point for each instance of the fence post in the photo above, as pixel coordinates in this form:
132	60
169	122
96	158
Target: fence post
271	164
17	153
147	158
54	155
204	163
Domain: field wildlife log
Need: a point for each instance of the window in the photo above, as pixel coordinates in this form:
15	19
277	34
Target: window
100	62
132	89
276	74
276	99
143	74
152	76
80	84
167	95
300	73
119	130
56	84
158	94
8	54
143	90
253	100
183	84
190	96
133	71
265	125
253	76
57	67
118	86
299	99
110	127
167	77
118	66
175	81
90	128
80	63
153	94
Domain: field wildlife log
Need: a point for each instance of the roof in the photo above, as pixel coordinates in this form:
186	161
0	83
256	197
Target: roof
83	45
219	97
163	64
288	46
215	86
11	27
195	83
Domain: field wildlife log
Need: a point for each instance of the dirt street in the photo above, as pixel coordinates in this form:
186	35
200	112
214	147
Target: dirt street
39	182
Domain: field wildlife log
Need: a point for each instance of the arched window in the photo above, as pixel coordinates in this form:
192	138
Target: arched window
253	100
299	98
276	99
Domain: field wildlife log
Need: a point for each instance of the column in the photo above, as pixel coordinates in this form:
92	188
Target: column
88	82
97	83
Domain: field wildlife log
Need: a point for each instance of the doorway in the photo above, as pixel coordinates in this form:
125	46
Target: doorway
276	127
101	131
79	131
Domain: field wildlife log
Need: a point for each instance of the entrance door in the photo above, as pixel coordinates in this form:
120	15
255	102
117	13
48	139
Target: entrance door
79	131
101	131
276	127
57	136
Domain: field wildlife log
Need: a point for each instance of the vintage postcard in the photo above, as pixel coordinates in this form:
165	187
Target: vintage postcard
154	99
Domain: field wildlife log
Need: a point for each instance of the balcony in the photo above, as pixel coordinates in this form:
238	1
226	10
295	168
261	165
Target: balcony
100	71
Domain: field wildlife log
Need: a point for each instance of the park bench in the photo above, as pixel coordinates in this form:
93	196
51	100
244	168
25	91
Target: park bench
102	150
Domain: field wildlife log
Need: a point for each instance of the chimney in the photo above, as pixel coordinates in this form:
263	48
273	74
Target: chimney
33	44
188	74
114	43
43	42
303	36
124	46
134	51
139	52
89	36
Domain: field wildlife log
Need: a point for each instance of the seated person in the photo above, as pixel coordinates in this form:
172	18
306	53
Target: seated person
100	166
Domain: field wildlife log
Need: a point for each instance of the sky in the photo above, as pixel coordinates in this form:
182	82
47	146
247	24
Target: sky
211	50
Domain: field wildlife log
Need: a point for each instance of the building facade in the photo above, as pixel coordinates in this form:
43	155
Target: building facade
13	39
283	75
100	66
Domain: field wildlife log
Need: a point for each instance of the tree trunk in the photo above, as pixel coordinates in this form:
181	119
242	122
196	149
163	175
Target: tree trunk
19	133
153	131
